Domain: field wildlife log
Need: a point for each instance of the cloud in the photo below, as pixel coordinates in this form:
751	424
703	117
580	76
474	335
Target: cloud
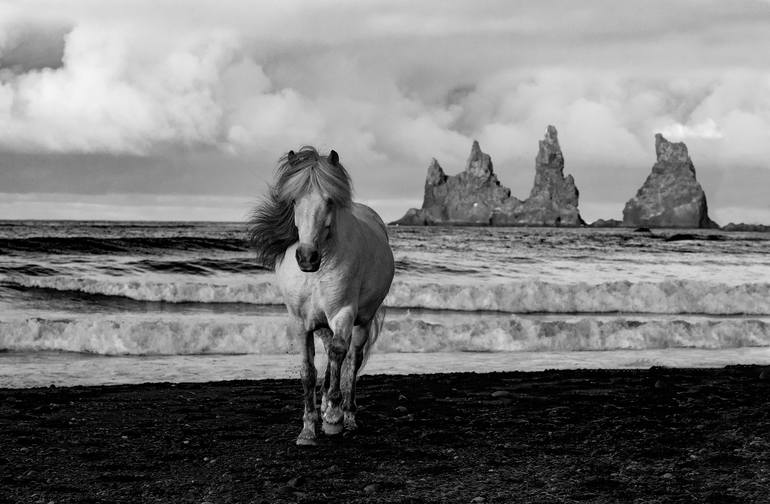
389	84
109	97
56	206
52	206
707	130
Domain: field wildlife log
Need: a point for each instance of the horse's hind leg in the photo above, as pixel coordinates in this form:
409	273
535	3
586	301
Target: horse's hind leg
353	363
342	327
308	373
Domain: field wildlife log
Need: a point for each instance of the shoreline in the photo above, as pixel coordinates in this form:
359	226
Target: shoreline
600	435
21	370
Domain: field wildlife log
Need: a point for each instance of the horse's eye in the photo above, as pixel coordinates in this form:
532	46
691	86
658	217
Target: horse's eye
329	202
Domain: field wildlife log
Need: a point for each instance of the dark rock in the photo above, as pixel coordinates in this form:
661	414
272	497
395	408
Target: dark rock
755	228
642	230
681	237
476	197
501	393
606	223
692	237
296	482
671	196
401	409
370	489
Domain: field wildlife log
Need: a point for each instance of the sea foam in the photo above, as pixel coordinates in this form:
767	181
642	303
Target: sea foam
668	296
157	334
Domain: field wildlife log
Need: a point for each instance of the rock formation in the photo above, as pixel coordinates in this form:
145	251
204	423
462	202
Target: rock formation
671	196
467	198
754	228
606	223
553	200
476	197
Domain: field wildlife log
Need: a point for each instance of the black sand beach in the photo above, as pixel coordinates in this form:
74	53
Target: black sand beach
658	435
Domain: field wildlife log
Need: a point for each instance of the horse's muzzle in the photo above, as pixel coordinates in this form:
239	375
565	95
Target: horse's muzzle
308	258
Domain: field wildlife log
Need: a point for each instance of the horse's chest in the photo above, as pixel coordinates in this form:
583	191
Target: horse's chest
310	296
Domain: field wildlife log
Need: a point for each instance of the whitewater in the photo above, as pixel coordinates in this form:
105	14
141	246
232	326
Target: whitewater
119	302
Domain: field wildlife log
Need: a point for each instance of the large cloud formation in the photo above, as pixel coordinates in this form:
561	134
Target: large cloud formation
391	84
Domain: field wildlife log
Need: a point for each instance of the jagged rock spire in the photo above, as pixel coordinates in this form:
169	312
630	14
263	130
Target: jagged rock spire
479	163
671	195
670	152
549	151
436	174
475	196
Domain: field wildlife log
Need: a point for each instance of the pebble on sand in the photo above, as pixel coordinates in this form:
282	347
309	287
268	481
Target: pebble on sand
295	482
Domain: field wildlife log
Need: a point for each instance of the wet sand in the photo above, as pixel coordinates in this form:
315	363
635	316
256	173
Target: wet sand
657	435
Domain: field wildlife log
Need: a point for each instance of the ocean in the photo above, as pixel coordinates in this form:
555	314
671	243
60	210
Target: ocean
127	302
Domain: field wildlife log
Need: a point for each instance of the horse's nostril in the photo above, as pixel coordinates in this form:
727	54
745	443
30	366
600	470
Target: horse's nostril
307	257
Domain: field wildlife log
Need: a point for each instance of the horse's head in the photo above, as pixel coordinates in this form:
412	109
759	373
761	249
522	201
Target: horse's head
327	191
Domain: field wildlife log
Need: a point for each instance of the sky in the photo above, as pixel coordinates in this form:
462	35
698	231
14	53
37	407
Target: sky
159	109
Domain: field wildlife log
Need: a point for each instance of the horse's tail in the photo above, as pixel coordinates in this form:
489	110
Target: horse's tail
374	333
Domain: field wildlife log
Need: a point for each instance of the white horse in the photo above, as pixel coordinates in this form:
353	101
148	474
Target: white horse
334	267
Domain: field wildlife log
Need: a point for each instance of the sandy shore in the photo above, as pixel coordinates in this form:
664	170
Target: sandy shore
658	435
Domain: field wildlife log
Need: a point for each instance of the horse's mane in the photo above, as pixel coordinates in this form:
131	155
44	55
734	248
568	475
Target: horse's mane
272	228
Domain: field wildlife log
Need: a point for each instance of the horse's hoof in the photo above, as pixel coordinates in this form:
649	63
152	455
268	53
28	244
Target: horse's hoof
350	422
332	429
306	438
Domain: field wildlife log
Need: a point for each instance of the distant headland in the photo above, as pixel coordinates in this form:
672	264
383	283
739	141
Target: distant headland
670	197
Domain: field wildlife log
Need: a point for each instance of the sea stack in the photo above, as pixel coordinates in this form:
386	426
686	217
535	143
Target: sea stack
671	196
476	197
468	198
553	200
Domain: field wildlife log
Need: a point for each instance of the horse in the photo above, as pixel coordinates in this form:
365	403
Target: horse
333	267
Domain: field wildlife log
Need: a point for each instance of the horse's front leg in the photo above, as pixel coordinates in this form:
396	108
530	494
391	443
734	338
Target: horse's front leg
308	373
342	328
353	363
325	335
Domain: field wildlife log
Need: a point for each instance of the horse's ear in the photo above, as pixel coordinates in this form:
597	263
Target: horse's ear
334	158
291	157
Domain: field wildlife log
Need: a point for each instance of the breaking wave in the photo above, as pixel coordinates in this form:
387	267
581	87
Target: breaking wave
668	297
145	335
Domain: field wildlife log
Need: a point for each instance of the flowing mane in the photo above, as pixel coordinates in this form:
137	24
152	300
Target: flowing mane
272	228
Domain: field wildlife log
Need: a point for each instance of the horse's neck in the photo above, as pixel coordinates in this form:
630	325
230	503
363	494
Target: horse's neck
345	229
345	224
